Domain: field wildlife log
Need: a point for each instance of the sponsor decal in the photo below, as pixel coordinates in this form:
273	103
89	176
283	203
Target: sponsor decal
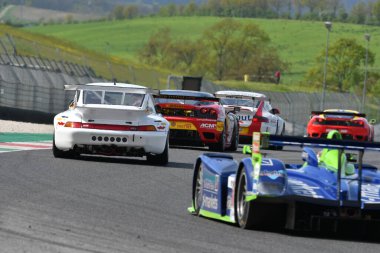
174	106
243	130
210	182
370	193
207	125
245	117
60	123
182	125
272	174
256	142
210	202
219	126
303	189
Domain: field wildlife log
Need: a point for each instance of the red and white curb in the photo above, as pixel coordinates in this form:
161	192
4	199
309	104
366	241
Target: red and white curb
19	146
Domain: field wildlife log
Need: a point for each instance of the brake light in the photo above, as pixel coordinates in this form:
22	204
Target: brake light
318	121
358	123
213	112
204	110
146	128
73	124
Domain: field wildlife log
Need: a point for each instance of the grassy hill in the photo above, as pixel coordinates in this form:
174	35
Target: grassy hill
298	42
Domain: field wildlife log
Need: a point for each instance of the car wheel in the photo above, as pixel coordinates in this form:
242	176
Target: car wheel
197	188
57	153
235	138
220	146
243	209
159	159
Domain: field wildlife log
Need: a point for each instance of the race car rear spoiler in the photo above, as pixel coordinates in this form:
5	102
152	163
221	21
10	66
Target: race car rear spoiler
322	143
186	97
243	97
75	87
353	114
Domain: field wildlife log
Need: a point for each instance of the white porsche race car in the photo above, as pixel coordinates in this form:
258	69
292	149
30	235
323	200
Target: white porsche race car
254	111
112	119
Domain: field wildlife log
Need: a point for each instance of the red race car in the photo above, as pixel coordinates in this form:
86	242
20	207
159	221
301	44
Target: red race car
198	119
351	124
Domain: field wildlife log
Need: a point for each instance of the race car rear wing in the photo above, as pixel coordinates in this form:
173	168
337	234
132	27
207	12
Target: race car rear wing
180	97
320	143
353	114
258	98
75	87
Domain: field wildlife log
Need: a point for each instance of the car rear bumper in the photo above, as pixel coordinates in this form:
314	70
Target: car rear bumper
355	133
150	142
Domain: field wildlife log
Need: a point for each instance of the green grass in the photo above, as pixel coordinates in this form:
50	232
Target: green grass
298	42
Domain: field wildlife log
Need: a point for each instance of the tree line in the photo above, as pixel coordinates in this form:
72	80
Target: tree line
226	50
362	12
230	49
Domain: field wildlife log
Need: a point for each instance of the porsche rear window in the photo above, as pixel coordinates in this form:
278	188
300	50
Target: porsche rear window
112	98
240	102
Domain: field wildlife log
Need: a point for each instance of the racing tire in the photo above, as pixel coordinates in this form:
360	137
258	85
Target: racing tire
235	138
197	188
220	146
254	214
243	209
57	153
159	159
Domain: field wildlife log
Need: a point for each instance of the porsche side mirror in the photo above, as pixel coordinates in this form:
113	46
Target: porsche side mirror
158	108
275	111
72	104
372	121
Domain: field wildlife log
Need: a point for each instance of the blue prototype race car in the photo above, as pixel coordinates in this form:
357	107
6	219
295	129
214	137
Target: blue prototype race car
321	194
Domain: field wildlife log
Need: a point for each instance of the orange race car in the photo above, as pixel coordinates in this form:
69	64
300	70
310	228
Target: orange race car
351	124
198	119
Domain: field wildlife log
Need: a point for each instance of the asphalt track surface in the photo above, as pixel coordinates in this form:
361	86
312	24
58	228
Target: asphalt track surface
111	205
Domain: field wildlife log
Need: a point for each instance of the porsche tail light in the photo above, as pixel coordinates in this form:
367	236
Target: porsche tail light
146	128
258	119
73	124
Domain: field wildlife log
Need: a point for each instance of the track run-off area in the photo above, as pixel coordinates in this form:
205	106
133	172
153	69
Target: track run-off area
104	204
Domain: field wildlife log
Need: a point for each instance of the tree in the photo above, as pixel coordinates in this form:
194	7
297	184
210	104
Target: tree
359	13
218	38
118	12
376	11
155	51
344	70
183	53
